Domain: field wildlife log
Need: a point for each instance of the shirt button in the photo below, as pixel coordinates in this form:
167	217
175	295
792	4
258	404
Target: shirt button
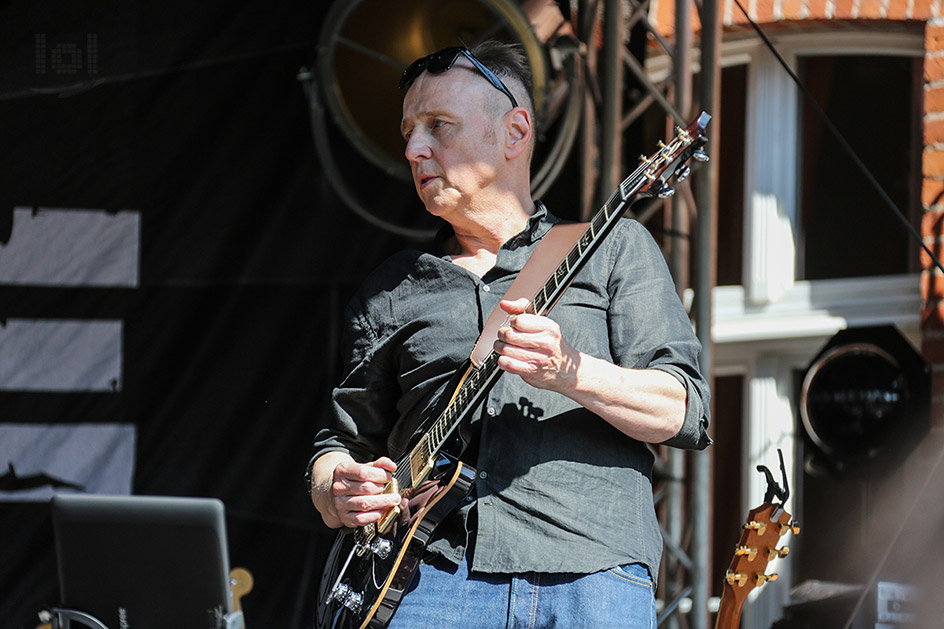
483	475
486	287
491	411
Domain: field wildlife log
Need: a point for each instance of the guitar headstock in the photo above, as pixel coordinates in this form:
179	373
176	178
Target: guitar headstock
757	547
670	161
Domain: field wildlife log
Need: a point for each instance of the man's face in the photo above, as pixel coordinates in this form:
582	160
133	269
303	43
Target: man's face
452	136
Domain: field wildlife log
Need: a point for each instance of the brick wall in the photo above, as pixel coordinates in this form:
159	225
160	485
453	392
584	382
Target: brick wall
932	224
785	13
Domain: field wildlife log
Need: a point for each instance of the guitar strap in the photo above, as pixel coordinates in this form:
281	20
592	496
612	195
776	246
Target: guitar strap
546	257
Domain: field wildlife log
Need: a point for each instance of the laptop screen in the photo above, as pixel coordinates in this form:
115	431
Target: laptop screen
143	562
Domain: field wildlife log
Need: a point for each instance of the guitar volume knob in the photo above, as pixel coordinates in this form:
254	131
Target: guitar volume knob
343	594
381	547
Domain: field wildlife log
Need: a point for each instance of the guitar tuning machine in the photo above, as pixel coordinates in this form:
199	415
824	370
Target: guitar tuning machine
775	553
666	192
760	527
792	527
741	551
700	155
682	173
735	578
740	579
764	578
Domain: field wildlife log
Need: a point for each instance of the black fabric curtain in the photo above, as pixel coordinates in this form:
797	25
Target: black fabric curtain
191	116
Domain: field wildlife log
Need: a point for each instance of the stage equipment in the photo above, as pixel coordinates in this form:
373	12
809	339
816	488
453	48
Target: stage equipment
365	45
147	562
865	397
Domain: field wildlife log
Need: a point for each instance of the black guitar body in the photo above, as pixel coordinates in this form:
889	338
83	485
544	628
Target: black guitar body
365	578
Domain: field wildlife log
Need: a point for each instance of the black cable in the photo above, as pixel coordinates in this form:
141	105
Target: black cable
842	140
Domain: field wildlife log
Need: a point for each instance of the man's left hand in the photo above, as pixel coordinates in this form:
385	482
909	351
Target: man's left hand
531	346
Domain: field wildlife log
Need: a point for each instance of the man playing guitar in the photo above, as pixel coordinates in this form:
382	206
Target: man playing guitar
559	529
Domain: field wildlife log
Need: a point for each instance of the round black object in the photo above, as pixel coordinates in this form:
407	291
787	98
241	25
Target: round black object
864	395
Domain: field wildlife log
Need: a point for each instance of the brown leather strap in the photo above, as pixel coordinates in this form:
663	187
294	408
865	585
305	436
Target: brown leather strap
537	270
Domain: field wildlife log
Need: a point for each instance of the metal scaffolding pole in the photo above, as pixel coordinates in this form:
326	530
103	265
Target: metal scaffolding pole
611	130
679	260
706	180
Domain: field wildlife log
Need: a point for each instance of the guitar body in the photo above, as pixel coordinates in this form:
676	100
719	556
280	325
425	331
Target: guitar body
381	579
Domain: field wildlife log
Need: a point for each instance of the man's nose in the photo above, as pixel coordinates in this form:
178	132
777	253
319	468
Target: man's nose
417	147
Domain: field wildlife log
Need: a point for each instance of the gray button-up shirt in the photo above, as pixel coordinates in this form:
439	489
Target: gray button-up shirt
558	488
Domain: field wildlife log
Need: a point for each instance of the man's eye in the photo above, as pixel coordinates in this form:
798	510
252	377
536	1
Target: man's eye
438	123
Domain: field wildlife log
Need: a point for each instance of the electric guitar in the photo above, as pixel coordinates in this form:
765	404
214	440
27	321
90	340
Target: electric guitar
369	568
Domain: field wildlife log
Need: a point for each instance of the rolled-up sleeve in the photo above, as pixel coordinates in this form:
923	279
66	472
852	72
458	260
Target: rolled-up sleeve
649	328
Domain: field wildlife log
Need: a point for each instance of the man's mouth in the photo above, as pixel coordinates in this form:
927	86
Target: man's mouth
425	180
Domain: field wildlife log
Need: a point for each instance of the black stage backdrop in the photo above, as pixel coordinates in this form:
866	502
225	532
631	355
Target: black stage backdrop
218	337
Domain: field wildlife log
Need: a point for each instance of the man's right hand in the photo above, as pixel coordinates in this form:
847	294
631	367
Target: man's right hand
348	493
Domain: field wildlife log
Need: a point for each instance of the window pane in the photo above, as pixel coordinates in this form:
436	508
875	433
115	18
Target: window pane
847	229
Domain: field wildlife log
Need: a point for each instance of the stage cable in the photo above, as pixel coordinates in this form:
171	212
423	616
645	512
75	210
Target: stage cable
873	579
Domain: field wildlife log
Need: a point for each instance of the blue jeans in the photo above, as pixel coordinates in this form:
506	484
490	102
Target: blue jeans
443	596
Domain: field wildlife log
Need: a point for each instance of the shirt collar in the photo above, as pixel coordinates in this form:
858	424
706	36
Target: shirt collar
539	224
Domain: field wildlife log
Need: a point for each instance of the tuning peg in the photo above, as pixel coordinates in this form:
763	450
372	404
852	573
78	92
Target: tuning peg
764	578
682	173
781	552
760	527
735	578
740	579
793	527
666	191
700	155
740	551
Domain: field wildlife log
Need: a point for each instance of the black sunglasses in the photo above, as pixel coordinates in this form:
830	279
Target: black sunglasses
441	60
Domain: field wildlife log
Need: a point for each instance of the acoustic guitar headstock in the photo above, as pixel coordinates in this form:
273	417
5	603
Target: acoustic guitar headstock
756	549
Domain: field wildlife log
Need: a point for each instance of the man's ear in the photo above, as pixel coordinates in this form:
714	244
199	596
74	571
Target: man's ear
519	128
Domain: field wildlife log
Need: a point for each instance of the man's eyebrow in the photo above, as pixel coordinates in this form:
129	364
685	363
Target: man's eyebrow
422	115
430	113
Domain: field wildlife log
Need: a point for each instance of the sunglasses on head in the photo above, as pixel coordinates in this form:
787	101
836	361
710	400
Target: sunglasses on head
441	60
